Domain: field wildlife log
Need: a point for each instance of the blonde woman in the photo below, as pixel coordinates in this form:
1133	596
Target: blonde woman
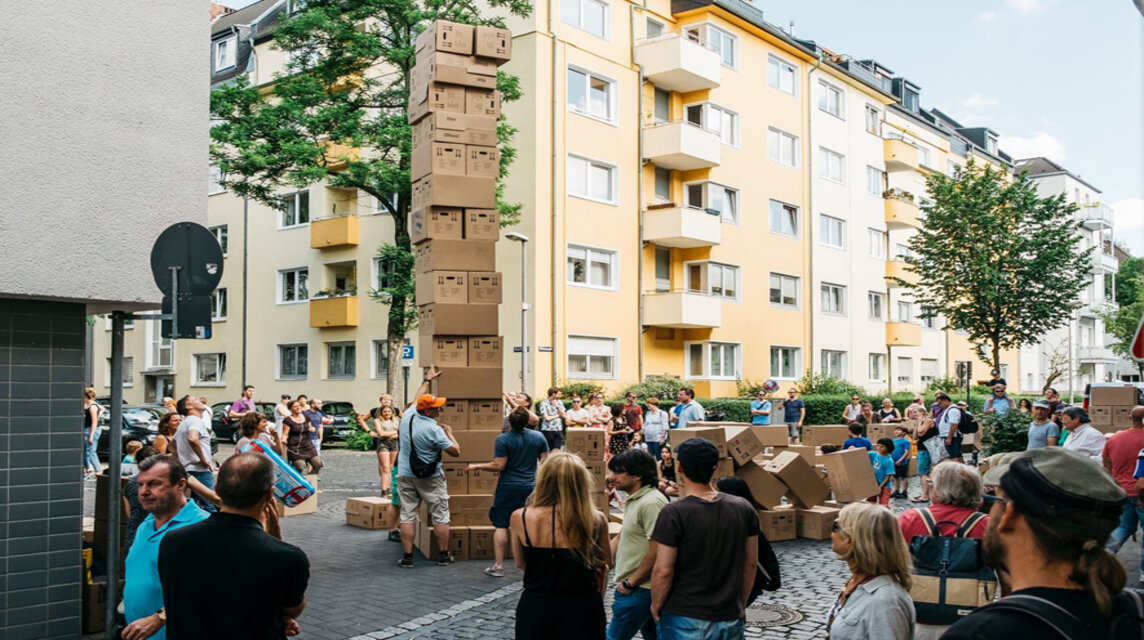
92	410
875	603
560	541
385	429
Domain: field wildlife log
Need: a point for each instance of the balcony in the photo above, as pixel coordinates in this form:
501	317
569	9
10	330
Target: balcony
678	64
681	146
1095	217
1104	262
682	310
682	227
1092	306
896	269
900	155
901	212
903	334
1095	355
336	232
337	156
329	313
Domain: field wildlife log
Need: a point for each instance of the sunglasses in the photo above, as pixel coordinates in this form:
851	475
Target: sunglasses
989	500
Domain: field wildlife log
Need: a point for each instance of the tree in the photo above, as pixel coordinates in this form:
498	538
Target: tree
338	114
1121	320
1057	357
995	260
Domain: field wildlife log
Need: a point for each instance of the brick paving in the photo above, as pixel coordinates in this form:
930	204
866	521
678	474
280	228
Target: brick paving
357	591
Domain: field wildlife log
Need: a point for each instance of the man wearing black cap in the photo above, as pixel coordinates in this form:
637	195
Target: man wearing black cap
1048	523
708	547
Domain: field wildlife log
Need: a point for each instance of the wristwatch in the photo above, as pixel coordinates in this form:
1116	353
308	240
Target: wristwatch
627	585
162	613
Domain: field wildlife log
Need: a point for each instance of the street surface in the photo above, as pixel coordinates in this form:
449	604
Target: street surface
357	591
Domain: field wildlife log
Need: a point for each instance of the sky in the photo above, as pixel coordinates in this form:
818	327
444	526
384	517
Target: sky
1062	79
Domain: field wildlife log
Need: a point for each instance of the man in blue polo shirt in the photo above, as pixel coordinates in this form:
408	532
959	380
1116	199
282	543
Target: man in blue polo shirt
689	409
162	493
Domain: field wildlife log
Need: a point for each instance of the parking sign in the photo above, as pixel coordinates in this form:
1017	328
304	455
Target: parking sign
407	355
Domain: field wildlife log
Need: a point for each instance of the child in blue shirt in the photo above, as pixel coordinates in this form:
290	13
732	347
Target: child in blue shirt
883	463
901	457
856	441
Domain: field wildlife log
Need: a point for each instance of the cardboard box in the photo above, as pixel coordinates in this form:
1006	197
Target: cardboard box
969	442
476	446
742	444
806	486
102	489
443	35
435	98
455	255
481	541
833	504
493	42
815	523
468	383
482	224
1122	415
443	190
470	510
369	513
821	469
767	490
584	442
436	223
1100	415
486	351
94	605
601	502
807	452
876	431
443	351
715	434
485	414
458	128
616	517
771	436
456	476
1099	396
913	466
443	319
482	161
455	413
451	68
725	468
437	158
851	475
599	471
482	102
442	286
459	542
307	506
778	525
818	435
485	287
481	481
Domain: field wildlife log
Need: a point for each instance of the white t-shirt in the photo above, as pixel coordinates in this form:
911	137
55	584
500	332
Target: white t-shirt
280	413
183	443
577	414
1087	440
952	415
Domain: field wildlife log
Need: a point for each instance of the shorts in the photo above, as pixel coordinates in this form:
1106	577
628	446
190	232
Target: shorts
882	497
385	444
433	491
555	439
902	470
792	429
508	498
954	449
923	462
394	495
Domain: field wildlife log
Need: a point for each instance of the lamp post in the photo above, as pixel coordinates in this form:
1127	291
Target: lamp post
523	240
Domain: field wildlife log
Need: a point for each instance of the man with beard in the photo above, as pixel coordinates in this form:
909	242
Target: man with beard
634	472
1049	520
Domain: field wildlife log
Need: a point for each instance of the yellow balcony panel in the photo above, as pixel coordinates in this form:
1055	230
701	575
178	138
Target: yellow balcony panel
334	312
901	214
329	233
337	156
897	269
677	63
903	334
682	227
900	155
681	146
682	310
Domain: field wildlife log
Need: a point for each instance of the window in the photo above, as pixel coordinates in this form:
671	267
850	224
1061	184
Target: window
831	165
873	121
951	168
341	360
588	15
834	363
662	110
929	370
875	303
663	184
784	218
162	349
215	184
782	147
902	251
833	298
713	197
592	357
877	366
830	99
784	290
717	119
781	75
875	178
293	361
381	270
718	40
831	231
380	360
785	362
991	144
712	360
910	99
591	95
904	312
209	369
128	372
293	285
876	241
662	269
218	304
930	322
220	234
224	53
904	370
924	156
591	179
713	278
654	28
588	267
295	210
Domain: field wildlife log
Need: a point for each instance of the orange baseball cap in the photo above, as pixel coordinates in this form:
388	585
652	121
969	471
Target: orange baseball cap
429	401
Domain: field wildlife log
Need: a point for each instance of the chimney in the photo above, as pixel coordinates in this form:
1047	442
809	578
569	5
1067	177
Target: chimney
218	10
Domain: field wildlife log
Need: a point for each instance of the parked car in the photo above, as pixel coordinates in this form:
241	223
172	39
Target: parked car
227	429
344	420
140	422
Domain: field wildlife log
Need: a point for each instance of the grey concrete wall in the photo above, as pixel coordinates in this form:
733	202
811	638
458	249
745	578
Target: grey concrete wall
105	132
41	491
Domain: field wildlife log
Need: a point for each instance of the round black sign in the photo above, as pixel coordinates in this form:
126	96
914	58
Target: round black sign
195	250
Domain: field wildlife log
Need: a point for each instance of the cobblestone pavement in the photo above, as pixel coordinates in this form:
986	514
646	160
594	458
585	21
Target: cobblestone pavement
357	591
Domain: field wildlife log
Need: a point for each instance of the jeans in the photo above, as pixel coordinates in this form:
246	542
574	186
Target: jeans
90	459
673	627
632	613
208	480
654	448
1131	518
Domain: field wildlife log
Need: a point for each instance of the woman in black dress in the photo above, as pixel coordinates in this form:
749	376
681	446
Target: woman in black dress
300	450
621	437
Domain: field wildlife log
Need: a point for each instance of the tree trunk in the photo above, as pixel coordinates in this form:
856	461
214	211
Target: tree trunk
996	355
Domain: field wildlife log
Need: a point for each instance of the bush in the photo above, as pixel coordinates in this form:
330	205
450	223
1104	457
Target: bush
948	385
822	384
359	440
582	389
747	388
1002	434
734	409
662	387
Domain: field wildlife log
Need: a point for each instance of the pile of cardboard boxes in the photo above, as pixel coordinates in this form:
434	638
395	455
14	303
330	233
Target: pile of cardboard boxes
1110	408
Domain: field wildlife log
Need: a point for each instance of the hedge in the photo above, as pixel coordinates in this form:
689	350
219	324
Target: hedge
822	409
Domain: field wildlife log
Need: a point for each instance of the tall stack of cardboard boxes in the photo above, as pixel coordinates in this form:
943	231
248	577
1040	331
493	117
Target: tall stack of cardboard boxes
1110	408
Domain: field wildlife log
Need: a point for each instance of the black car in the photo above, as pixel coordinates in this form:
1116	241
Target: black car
140	423
226	428
344	420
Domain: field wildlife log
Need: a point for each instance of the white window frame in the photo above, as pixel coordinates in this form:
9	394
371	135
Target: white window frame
908	316
877	120
157	346
779	66
926	378
588	357
925	156
578	20
951	168
281	284
826	225
586	77
230	46
875	181
834	293
908	368
831	165
876	299
342	345
780	211
219	370
826	356
876	243
706	370
709	114
222	234
657	24
376	349
701	32
214	184
296	198
708	187
219	303
280	374
825	91
928	323
796	362
613	261
776	139
376	272
574	161
128	372
876	367
705	287
783	281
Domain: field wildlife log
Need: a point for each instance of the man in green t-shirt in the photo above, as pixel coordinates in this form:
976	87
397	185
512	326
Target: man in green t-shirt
634	472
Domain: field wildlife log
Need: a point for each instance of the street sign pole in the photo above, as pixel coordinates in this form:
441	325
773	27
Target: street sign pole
114	458
406	364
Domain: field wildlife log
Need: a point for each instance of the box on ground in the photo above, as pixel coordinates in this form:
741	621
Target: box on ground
851	475
486	352
459	541
725	468
485	287
485	414
778	525
1102	396
481	541
476	446
458	128
442	286
369	513
482	224
433	223
468	510
455	255
818	435
309	505
469	382
815	523
600	499
456	477
584	442
443	190
1101	416
807	452
715	435
767	490
599	472
446	319
806	486
742	444
95	605
102	488
771	436
443	35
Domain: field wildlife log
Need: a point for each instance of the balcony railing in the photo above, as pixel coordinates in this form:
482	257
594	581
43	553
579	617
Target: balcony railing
677	63
1095	355
334	312
897	269
1095	217
683	310
1104	262
901	212
681	146
682	227
900	155
334	232
903	334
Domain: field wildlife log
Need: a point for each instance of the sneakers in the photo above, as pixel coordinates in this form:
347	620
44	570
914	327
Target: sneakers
406	562
445	559
494	572
395	536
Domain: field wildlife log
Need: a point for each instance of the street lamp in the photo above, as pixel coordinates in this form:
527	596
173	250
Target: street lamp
523	240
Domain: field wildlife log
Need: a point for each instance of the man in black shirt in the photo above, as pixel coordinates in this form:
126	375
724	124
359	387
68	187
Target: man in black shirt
1049	521
227	578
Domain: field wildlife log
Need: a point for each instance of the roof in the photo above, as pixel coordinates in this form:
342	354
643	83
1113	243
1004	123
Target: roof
246	15
1042	166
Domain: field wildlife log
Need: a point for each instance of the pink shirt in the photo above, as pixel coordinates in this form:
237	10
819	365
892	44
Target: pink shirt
1122	449
912	524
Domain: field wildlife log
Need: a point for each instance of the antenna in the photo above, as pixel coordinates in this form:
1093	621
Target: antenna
790	31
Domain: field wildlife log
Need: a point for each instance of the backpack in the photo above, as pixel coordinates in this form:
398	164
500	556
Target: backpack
1127	620
714	415
420	467
968	423
950	577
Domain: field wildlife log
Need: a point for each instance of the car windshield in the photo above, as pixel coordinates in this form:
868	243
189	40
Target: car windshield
338	409
138	415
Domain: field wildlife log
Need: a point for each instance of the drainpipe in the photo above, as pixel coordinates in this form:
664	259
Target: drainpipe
552	216
808	229
639	193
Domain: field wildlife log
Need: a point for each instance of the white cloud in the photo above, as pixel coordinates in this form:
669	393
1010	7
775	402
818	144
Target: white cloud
986	16
978	101
1038	144
1026	6
1128	219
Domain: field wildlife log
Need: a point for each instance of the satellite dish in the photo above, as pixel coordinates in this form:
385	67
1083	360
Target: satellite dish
195	250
